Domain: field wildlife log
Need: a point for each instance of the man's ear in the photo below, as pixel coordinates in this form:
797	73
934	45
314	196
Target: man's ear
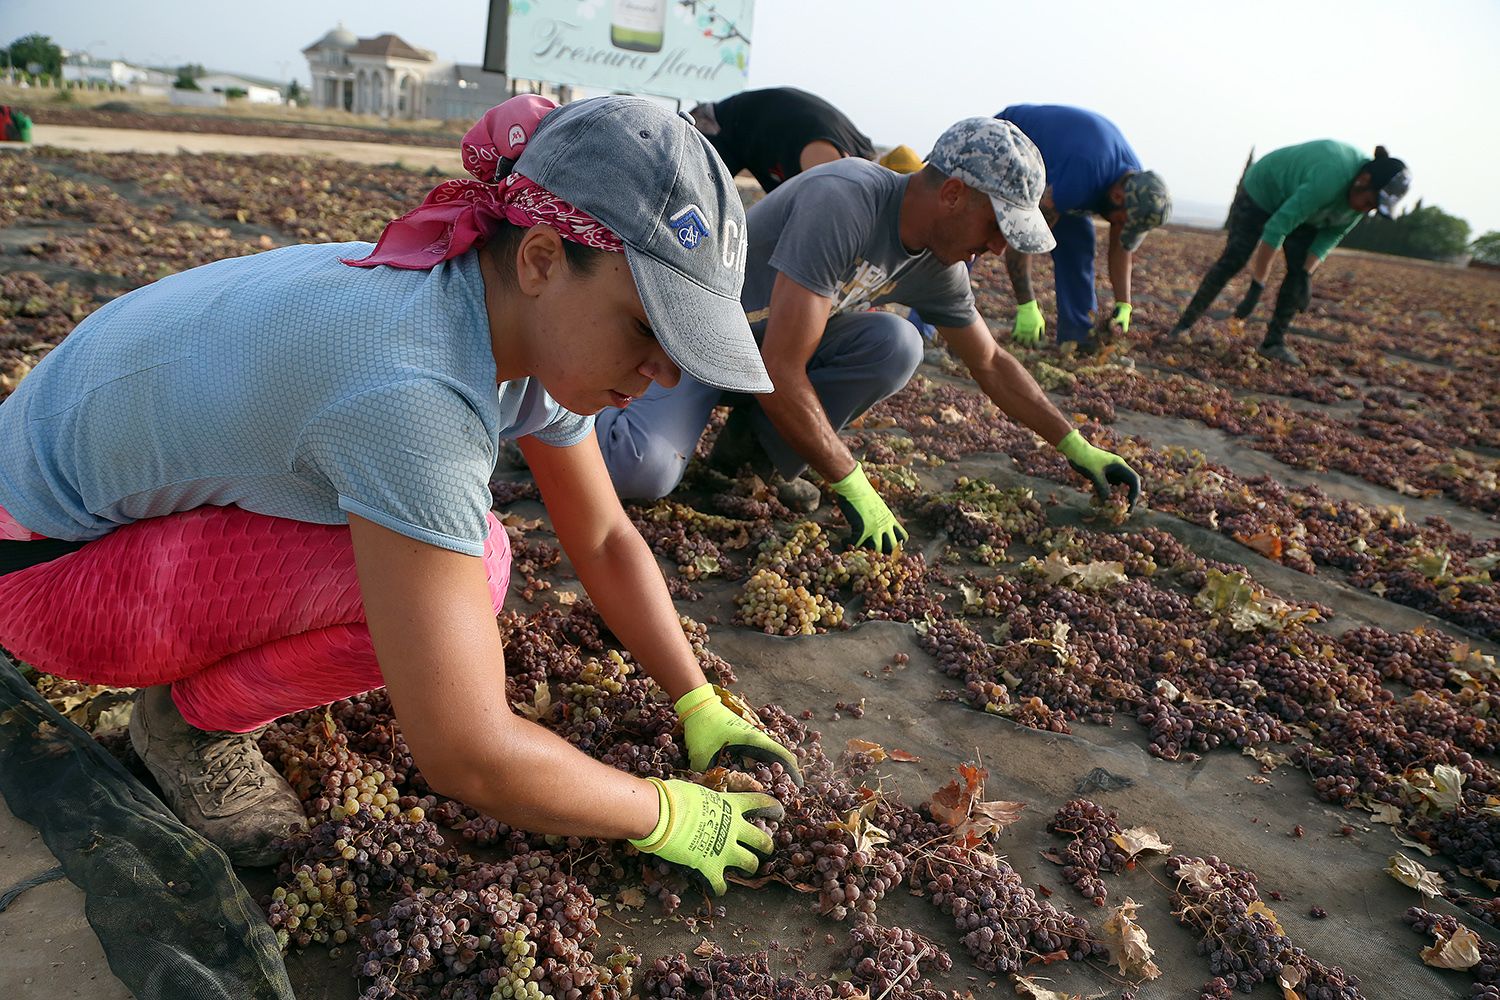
953	194
538	259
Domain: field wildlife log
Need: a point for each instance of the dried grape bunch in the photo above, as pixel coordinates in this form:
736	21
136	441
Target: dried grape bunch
700	544
717	976
317	907
1004	925
1242	938
376	854
1486	971
333	781
1467	834
889	961
772	603
1091	848
525	928
984	519
838	838
507	492
896	587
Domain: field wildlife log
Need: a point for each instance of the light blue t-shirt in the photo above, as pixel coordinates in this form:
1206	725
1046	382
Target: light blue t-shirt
286	383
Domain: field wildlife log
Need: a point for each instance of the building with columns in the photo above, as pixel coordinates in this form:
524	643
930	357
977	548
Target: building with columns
386	76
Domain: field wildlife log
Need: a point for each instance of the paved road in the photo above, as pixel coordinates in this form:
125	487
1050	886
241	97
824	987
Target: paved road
125	140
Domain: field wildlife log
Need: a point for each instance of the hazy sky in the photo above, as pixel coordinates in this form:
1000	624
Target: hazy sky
1192	89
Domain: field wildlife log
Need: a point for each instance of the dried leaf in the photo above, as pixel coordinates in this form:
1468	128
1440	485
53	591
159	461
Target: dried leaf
115	717
951	803
875	750
1031	988
540	705
1385	812
1268	759
1127	943
514	520
993	817
1057	569
902	756
704	949
960	807
1418	876
630	899
1446	792
1461	951
1235	599
1415	845
1140	838
1289	978
1267	543
1259	907
1491	884
856	823
1199	875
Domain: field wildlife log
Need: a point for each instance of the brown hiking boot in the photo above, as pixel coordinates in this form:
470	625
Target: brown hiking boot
216	783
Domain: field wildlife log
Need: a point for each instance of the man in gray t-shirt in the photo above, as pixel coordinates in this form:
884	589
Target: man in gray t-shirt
824	249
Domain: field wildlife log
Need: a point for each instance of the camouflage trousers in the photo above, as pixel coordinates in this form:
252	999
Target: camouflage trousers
1247	221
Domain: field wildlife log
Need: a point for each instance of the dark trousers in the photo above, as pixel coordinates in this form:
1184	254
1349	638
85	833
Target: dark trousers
1247	221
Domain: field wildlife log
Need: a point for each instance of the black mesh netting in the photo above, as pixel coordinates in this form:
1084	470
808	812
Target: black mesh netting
172	917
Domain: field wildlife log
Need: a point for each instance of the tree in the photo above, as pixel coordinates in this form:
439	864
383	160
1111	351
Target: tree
1424	231
187	76
295	94
38	49
1487	248
235	93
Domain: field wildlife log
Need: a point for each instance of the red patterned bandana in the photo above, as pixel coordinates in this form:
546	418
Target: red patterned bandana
458	214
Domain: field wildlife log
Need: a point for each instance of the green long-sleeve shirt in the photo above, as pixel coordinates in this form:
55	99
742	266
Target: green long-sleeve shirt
1306	184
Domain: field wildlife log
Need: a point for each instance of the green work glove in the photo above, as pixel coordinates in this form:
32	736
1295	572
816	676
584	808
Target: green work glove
710	831
713	720
1029	324
1121	317
872	522
1103	468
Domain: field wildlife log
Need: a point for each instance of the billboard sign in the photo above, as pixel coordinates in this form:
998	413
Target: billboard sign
691	50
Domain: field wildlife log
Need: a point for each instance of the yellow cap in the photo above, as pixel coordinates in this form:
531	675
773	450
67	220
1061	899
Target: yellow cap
902	159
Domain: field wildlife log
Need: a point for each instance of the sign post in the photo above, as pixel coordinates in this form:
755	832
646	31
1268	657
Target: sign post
690	50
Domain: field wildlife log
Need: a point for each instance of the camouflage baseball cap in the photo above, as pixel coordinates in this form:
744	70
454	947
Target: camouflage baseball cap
1147	205
995	157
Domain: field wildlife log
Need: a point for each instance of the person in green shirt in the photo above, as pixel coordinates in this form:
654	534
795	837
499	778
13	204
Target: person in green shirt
1301	200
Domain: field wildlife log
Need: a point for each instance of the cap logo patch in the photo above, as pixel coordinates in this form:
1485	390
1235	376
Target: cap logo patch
688	226
516	136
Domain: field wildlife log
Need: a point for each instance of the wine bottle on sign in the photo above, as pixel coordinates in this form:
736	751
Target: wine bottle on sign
638	25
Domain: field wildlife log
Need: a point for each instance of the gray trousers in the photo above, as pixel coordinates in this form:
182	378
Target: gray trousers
863	358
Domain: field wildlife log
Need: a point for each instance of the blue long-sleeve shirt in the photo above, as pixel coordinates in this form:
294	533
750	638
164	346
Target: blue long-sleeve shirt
1084	153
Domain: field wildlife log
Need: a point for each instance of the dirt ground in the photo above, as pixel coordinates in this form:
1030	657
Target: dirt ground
1220	805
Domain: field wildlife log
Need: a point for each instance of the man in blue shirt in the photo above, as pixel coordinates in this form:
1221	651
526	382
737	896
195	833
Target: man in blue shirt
1091	170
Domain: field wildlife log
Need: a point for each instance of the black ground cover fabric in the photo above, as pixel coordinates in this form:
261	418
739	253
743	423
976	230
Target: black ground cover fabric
174	920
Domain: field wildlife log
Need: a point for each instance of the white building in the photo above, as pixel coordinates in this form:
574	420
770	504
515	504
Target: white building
80	67
386	76
256	91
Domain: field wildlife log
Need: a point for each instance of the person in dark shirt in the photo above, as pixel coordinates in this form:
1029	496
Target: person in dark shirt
779	132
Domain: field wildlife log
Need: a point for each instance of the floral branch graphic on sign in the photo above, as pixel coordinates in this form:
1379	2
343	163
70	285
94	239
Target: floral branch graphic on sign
720	28
714	24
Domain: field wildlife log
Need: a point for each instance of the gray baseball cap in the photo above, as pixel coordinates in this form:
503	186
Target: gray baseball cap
1147	205
652	179
995	157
